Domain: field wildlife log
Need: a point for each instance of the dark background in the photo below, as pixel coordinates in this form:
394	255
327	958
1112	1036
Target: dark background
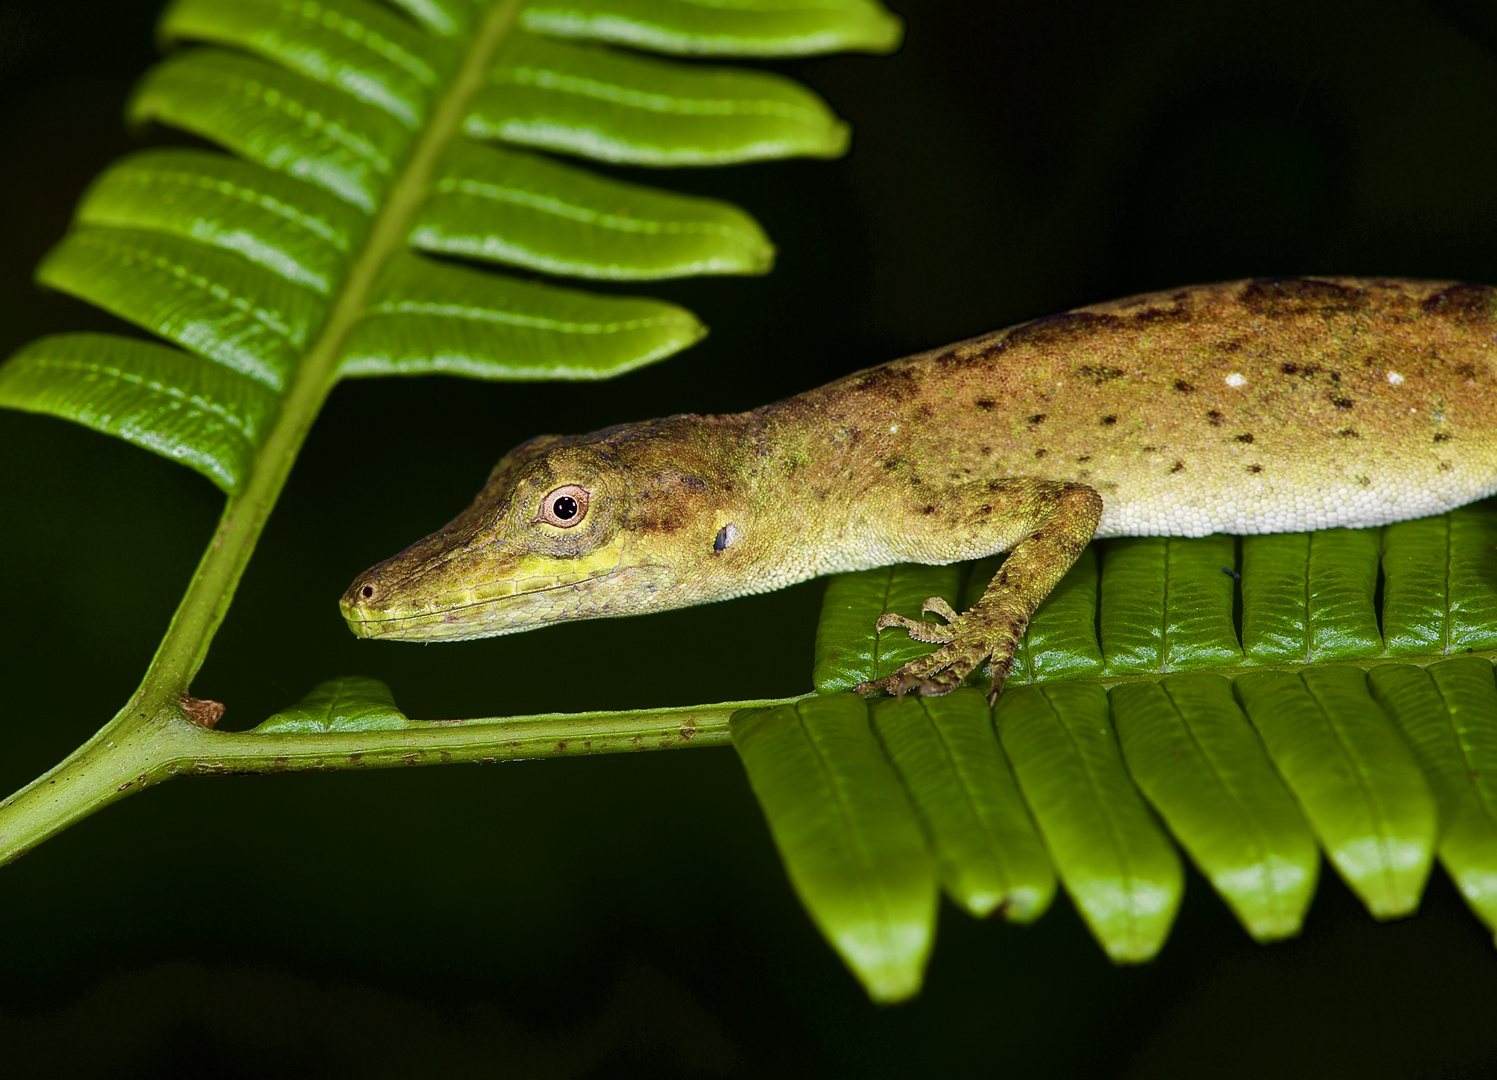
614	914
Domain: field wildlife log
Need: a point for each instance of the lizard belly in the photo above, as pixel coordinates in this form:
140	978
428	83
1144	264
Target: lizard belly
1280	508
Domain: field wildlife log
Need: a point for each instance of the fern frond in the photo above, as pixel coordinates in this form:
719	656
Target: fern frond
1259	694
354	134
343	157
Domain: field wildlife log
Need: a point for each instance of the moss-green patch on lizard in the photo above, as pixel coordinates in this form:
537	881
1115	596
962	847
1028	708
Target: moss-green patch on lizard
1249	407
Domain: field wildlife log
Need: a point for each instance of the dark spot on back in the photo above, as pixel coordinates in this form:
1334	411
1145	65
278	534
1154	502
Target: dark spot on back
893	463
985	450
1178	466
888	381
1064	329
1084	458
1349	433
1364	481
1183	386
1341	402
1037	418
1255	468
1442	437
1463	303
694	484
985	404
1109	420
1099	375
1294	296
1041	451
1177	314
1214	418
1289	369
1150	449
1246	436
927	509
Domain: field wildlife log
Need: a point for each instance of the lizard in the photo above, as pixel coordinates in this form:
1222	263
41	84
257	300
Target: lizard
1270	405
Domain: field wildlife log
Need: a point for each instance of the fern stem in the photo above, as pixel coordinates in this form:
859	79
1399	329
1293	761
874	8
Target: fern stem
487	740
186	643
161	747
153	731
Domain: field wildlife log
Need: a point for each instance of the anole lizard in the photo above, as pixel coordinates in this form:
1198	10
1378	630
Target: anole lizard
1249	407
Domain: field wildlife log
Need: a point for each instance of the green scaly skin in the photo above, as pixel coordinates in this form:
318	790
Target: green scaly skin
1262	406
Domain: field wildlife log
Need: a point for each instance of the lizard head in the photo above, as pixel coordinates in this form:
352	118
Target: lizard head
566	528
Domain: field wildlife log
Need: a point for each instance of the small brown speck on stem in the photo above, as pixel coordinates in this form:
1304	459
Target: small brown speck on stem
201	711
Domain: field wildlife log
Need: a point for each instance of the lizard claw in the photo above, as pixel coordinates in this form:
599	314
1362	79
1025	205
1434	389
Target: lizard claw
899	684
935	605
932	633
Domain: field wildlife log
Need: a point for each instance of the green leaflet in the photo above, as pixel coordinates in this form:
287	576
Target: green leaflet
1445	713
210	302
847	834
1439	594
361	48
1185	624
947	754
1355	779
426	317
706	28
283	225
349	703
205	416
1119	868
595	103
511	207
284	121
1192	752
1309	596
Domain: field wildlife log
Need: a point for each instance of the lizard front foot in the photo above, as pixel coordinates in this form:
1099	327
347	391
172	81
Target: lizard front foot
964	645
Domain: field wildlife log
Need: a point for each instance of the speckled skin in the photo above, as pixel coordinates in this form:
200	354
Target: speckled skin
1248	407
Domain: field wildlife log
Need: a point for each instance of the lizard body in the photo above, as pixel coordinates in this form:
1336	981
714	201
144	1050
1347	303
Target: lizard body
1248	407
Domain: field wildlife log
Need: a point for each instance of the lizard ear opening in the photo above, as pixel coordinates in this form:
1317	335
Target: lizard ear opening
564	507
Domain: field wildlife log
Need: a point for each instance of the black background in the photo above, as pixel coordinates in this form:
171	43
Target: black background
614	914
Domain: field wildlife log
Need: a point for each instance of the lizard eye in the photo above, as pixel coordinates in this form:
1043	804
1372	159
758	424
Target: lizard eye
565	506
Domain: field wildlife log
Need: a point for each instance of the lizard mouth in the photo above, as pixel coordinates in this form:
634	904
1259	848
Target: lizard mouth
488	610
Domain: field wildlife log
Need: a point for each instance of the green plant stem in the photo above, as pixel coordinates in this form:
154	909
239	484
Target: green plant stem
164	746
155	712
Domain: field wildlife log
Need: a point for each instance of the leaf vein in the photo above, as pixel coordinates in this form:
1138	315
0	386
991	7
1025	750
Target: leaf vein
571	211
148	178
580	86
239	425
564	326
313	120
